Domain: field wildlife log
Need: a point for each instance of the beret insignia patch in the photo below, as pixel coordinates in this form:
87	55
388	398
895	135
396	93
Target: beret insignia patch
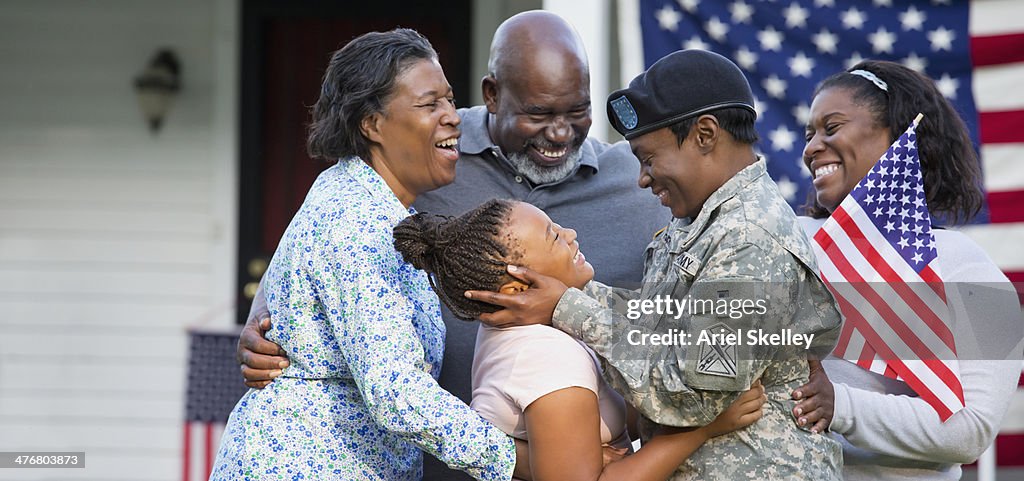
624	111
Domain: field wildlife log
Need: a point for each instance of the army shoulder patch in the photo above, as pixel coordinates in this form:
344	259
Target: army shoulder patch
715	358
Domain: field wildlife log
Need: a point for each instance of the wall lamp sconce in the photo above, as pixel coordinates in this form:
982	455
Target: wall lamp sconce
157	86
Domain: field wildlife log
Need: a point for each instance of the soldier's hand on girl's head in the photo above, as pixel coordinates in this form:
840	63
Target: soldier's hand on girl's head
534	305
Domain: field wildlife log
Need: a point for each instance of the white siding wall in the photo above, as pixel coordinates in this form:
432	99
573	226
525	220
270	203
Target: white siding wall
112	241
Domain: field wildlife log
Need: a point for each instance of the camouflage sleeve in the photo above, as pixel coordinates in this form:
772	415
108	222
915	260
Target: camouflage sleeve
778	311
577	307
671	366
610	297
633	370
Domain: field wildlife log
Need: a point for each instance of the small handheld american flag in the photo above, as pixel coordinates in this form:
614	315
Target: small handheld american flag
877	255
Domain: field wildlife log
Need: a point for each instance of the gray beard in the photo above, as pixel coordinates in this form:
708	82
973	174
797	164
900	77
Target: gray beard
545	175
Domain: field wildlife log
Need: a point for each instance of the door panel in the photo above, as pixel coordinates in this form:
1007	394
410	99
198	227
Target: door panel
285	50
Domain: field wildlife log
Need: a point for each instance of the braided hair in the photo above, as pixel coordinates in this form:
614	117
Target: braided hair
462	253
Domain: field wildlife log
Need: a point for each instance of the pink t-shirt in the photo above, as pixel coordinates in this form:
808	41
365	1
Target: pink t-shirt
514	367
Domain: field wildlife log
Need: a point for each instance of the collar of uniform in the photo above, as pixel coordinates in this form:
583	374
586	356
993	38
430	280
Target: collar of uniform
730	189
476	139
358	170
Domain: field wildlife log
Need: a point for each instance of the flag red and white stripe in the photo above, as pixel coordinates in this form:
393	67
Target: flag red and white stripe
894	327
199	449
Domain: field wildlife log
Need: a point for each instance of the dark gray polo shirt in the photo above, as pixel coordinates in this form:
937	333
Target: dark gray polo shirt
615	220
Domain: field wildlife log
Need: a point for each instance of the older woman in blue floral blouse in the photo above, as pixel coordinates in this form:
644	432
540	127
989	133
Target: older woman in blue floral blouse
362	328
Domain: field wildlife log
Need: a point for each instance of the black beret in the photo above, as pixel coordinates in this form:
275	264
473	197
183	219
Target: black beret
680	85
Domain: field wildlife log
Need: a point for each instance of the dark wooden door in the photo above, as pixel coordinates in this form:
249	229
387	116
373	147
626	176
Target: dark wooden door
285	49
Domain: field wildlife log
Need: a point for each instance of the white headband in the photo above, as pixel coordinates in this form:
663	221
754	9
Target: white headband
873	78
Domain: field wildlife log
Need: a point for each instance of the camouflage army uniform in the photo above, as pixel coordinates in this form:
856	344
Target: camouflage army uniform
745	244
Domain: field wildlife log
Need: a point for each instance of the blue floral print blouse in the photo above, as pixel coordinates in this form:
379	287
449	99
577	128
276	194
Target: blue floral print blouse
364	335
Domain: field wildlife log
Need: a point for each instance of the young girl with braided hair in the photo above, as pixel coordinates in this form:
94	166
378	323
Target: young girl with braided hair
535	382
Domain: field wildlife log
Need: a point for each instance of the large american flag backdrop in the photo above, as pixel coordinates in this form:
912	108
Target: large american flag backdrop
974	50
